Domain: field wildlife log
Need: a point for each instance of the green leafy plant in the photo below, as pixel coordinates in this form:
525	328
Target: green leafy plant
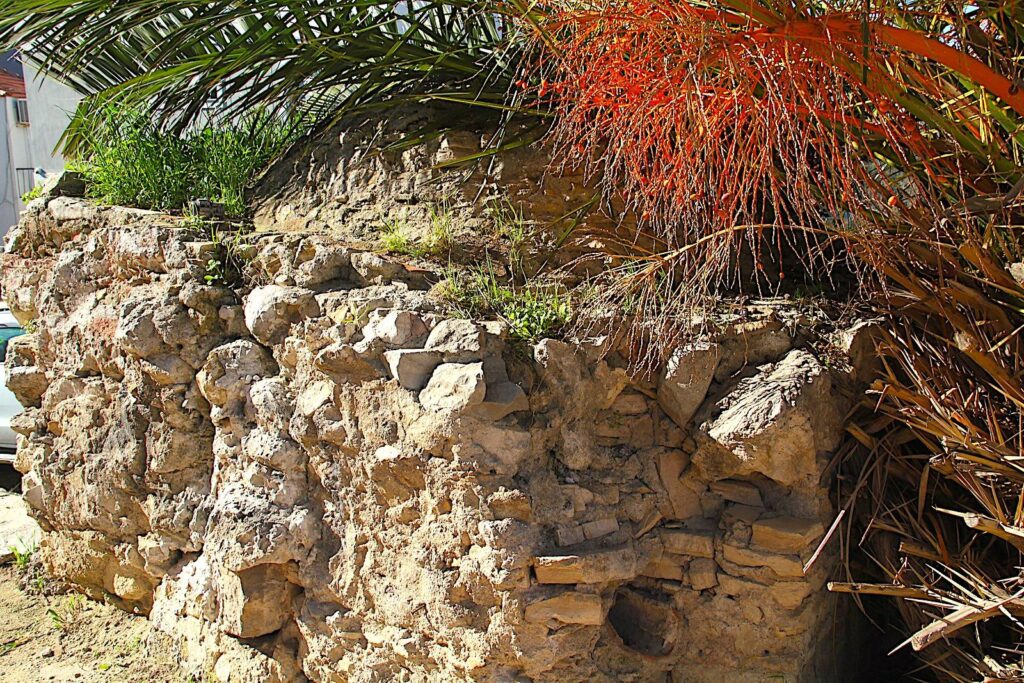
510	226
532	311
68	615
34	193
128	159
23	555
394	238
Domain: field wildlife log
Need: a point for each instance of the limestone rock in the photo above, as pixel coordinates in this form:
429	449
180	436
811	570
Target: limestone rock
683	500
787	534
738	492
775	423
412	368
458	340
568	608
703	574
26	380
600	566
454	387
500	400
788	566
255	602
687	542
270	311
395	328
790	594
685	381
667	567
351	363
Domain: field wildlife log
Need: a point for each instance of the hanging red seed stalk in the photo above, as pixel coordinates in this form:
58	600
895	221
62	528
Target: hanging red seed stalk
716	121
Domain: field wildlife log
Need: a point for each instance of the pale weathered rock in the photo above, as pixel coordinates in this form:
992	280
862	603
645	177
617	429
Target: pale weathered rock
787	534
703	574
790	594
412	367
24	378
599	527
667	567
738	492
685	381
568	608
500	400
459	340
783	565
690	543
683	500
595	567
775	423
351	363
270	311
395	328
454	387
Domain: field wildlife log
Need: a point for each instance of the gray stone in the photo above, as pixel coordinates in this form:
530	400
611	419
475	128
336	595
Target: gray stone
686	379
454	387
395	328
460	341
412	367
500	400
270	311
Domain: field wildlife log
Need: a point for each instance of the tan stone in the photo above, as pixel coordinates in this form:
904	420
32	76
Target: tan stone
787	534
684	501
737	587
703	574
569	535
738	492
510	503
568	608
600	527
687	542
454	387
741	513
599	566
685	383
783	565
666	567
630	403
500	400
790	594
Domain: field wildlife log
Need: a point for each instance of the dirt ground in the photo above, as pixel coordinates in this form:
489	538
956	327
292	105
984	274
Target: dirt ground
68	637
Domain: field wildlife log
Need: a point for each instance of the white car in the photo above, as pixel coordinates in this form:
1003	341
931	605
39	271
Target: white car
9	406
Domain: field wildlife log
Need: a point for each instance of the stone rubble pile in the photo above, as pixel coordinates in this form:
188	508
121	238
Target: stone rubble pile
321	477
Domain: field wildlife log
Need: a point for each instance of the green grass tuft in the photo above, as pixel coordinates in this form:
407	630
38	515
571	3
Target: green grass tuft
131	161
532	311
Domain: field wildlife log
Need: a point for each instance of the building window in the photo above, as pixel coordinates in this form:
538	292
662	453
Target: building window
26	179
21	112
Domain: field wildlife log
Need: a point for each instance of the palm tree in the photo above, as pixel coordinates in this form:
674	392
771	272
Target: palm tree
181	59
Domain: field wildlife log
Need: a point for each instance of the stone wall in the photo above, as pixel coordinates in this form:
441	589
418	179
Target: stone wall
323	478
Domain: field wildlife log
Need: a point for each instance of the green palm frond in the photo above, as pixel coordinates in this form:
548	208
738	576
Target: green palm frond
184	59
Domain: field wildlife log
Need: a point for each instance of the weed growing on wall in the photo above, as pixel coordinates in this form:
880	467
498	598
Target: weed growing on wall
532	311
131	161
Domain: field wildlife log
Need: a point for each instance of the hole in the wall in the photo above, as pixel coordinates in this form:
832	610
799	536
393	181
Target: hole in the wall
642	623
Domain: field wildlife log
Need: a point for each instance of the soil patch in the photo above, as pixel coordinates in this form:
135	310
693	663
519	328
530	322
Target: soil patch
71	638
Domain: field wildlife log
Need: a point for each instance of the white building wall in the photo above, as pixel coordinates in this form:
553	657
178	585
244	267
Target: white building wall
51	105
26	149
10	203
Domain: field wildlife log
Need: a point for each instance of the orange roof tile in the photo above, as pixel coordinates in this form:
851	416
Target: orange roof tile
12	86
